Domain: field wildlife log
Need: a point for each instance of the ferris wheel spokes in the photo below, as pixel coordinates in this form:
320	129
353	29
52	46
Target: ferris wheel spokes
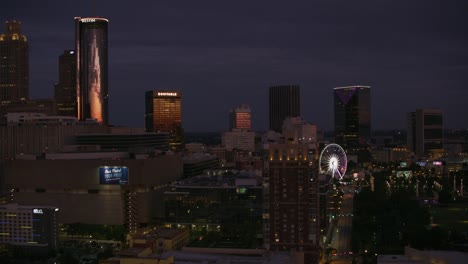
333	161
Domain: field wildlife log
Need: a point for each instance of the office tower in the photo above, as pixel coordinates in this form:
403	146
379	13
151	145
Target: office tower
65	89
284	102
425	131
14	64
240	118
91	69
163	113
352	117
291	201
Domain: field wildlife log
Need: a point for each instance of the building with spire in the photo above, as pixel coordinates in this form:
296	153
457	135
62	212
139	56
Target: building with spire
14	65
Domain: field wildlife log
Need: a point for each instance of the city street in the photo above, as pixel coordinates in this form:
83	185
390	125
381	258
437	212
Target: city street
341	240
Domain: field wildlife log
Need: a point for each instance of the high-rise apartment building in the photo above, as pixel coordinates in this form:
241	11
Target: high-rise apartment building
284	102
91	68
291	219
14	64
65	89
352	117
163	113
240	118
425	131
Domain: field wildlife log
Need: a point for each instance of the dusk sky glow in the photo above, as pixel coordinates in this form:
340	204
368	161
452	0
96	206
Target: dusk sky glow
221	54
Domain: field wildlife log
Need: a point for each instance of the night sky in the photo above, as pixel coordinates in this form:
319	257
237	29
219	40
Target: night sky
413	54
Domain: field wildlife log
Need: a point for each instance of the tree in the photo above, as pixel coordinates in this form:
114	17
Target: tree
68	258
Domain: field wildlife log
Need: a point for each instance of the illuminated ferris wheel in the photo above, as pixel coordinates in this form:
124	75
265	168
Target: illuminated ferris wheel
333	161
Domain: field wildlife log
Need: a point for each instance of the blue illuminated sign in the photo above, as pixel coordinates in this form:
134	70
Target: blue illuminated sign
113	175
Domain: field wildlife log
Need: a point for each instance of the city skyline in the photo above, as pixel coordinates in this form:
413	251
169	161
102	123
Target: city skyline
409	53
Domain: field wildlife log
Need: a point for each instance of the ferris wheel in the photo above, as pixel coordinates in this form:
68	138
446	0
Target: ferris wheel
333	161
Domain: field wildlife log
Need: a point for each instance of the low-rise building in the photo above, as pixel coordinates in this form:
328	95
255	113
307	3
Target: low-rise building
223	202
29	226
197	163
160	239
107	188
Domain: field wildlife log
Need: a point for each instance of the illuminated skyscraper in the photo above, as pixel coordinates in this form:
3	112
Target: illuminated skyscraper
352	117
291	199
65	89
284	102
14	64
91	68
240	118
163	113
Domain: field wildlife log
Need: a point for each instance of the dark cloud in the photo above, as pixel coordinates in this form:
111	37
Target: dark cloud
220	54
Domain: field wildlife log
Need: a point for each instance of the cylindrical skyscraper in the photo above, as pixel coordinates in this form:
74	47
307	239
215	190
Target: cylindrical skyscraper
91	68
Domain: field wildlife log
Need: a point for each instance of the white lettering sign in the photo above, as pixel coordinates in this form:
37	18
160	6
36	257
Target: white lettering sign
37	211
88	20
166	94
113	173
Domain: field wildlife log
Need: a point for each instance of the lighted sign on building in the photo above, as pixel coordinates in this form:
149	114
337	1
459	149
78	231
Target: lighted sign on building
88	20
38	211
167	94
113	175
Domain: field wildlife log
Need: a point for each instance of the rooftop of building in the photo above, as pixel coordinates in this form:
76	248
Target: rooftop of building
183	257
16	206
130	135
132	252
242	256
92	19
352	86
20	117
77	156
394	259
162	232
197	157
220	179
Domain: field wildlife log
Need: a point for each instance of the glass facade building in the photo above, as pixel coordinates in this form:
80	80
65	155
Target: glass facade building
163	113
284	102
352	117
91	69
